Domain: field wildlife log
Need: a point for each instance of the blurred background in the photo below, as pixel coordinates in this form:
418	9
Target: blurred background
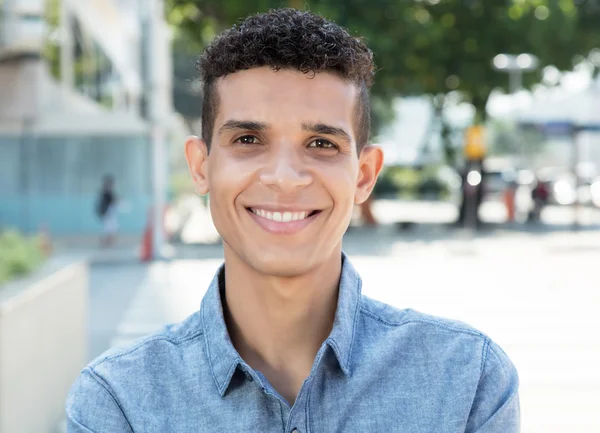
487	211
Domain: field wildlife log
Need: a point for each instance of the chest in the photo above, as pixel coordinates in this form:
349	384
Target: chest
325	404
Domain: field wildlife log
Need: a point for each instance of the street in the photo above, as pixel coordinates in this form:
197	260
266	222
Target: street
535	294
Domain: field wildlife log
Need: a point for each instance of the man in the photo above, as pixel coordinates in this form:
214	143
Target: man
284	341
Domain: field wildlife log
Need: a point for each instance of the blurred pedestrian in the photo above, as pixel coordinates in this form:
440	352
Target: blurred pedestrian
107	211
539	198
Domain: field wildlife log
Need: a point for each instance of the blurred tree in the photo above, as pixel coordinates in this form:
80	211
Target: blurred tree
421	47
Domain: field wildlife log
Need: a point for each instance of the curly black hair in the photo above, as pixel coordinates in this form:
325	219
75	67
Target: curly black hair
288	39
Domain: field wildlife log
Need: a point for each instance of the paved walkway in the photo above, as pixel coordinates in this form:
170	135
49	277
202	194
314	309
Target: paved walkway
537	295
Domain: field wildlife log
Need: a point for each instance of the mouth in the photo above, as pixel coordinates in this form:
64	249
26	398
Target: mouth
283	222
283	217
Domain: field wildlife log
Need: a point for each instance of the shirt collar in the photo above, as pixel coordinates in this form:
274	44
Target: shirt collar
223	357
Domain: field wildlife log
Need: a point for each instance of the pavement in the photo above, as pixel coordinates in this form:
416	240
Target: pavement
535	292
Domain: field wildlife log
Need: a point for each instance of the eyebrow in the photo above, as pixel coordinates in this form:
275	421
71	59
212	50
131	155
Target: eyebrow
321	128
317	128
248	125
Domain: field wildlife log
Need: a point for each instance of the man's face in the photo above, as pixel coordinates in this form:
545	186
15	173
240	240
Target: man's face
283	170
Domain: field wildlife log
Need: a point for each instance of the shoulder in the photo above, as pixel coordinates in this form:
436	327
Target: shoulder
393	317
421	333
119	381
149	355
429	335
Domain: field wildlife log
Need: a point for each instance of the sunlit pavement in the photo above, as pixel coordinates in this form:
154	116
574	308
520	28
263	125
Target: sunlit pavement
535	294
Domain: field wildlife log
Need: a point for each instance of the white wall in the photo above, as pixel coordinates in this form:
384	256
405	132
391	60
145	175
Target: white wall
43	347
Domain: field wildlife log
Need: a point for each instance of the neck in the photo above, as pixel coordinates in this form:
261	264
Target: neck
278	324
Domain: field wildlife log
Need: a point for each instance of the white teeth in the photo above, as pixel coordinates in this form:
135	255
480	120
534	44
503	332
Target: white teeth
281	216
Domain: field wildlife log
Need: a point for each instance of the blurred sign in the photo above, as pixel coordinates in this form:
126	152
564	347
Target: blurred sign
474	145
560	129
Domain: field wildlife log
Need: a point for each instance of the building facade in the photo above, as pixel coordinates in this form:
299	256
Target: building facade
82	86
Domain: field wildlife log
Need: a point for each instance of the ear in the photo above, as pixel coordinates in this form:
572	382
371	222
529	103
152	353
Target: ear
370	163
196	153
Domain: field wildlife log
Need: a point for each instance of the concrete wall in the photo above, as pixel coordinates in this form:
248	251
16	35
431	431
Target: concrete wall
43	345
20	85
55	181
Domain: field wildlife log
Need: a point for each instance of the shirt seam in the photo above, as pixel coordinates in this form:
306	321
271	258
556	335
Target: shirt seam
143	343
210	364
355	320
100	381
484	355
427	321
282	417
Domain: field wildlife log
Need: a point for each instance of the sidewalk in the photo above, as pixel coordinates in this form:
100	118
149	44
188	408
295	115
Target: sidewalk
125	251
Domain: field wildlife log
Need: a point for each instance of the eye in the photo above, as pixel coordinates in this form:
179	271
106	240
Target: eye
321	143
247	139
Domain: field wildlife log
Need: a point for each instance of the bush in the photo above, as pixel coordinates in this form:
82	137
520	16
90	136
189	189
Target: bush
410	182
18	255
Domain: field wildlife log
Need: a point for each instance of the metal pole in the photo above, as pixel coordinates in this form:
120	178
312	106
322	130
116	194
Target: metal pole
515	77
575	163
157	129
515	84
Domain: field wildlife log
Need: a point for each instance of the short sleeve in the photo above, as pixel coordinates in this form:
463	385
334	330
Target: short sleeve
495	407
91	407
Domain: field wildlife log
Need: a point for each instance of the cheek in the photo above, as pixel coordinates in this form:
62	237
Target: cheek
341	183
227	181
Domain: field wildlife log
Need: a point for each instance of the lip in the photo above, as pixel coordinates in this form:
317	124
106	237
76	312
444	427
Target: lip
283	228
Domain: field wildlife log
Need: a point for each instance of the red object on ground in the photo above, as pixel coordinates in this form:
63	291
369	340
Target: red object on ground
509	202
146	247
146	250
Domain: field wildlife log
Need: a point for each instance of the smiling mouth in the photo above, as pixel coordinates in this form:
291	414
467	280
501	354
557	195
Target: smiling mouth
283	217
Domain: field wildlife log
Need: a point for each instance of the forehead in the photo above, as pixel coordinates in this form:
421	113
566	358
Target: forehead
286	97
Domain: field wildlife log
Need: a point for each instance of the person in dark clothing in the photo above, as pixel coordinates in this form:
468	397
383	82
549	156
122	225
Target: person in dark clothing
539	198
107	211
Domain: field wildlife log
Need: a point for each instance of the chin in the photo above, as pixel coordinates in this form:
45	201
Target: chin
290	264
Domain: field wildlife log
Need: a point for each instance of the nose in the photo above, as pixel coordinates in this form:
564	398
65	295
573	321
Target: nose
284	172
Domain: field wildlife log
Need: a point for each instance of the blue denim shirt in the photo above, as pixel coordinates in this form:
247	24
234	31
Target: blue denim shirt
380	370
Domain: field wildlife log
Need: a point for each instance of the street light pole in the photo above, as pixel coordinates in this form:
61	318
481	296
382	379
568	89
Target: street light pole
515	65
515	81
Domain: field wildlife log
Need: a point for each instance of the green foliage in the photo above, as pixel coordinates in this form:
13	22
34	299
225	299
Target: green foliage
51	50
18	255
410	182
423	46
